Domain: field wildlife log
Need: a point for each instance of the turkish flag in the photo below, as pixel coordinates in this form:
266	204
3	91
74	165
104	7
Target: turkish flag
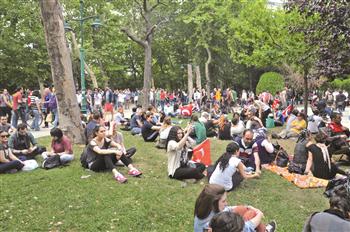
201	153
186	110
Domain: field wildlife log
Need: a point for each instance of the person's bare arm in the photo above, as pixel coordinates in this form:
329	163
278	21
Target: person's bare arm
241	169
308	163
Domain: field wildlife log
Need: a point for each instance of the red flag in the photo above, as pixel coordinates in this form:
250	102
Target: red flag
201	153
287	111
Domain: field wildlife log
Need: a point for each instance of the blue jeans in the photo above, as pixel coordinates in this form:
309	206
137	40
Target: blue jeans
55	113
135	130
35	124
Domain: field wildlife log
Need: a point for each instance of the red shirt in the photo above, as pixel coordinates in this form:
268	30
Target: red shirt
17	98
335	127
162	95
62	146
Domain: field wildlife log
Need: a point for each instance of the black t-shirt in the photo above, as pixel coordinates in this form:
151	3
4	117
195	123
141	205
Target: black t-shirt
320	168
146	129
225	132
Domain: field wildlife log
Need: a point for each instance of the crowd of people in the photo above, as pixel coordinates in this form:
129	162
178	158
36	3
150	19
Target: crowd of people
318	137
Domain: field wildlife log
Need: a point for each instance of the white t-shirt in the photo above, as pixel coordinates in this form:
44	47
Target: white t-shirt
98	99
197	95
164	133
313	123
224	178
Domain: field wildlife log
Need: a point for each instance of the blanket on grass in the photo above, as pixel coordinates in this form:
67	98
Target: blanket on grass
301	181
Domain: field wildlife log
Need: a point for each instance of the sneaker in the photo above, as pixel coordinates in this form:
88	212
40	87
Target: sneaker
120	178
271	227
135	173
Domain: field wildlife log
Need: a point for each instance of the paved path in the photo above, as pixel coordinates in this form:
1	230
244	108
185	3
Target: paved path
46	131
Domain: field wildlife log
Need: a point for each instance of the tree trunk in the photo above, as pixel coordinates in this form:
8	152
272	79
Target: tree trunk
61	69
86	67
198	78
189	82
207	74
41	86
147	76
306	90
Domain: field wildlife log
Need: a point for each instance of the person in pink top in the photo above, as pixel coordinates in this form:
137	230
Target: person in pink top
60	145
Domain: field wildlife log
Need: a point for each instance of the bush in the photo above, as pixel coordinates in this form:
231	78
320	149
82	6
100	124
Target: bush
270	81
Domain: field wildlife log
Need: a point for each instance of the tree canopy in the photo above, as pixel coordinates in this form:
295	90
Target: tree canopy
243	39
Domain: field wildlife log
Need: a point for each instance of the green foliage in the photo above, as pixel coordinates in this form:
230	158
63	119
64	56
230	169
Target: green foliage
270	81
341	84
60	200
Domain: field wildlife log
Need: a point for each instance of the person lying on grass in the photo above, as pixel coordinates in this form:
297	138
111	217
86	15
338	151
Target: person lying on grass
101	155
9	163
319	160
213	200
178	144
229	170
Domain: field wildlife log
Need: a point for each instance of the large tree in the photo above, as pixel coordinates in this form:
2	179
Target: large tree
61	68
146	10
330	32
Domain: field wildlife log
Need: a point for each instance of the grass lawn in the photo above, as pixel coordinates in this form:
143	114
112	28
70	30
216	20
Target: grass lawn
60	200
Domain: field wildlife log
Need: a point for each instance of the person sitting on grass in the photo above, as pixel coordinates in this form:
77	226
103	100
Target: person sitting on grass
117	137
213	200
96	120
319	161
229	222
60	145
149	131
23	144
178	144
209	124
296	127
5	126
164	132
237	126
136	122
224	128
229	170
9	163
199	133
336	218
249	158
101	155
264	149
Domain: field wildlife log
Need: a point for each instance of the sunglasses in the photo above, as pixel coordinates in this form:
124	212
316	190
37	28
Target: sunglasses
5	136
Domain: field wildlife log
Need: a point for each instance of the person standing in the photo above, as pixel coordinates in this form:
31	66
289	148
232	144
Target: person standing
36	109
18	107
5	105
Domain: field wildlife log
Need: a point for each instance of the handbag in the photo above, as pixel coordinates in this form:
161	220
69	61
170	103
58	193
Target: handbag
295	168
52	162
282	158
30	165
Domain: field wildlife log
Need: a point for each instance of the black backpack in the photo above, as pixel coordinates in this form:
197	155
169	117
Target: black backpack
83	158
52	162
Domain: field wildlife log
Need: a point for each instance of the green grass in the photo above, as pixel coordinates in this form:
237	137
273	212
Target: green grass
59	200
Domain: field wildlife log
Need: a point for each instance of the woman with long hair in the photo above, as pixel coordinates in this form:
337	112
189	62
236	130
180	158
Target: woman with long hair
178	144
224	128
229	170
103	153
213	200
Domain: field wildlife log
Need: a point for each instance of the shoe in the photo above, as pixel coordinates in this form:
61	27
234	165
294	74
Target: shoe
120	178
271	227
135	173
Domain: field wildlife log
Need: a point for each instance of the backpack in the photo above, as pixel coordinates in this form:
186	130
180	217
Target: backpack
52	162
83	158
